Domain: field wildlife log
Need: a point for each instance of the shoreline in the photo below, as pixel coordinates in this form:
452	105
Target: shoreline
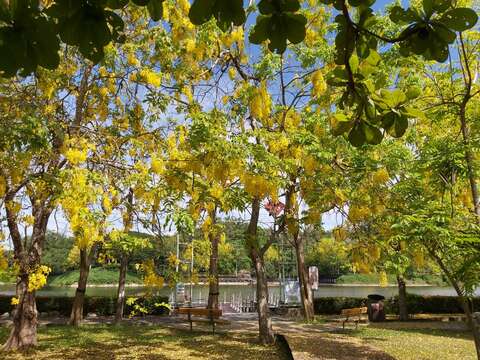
239	283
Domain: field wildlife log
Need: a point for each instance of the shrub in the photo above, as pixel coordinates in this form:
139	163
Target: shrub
104	306
416	304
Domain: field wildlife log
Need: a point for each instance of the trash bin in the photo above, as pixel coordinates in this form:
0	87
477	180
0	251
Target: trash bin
375	306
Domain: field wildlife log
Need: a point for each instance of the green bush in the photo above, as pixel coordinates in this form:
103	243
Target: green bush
104	306
416	304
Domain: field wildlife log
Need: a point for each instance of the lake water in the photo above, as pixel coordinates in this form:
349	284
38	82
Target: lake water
229	292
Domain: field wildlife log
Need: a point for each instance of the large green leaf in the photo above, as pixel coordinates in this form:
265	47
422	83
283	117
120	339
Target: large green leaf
201	11
459	19
357	136
226	12
155	9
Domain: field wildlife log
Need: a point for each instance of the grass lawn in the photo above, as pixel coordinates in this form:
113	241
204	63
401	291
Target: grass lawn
141	342
420	344
97	276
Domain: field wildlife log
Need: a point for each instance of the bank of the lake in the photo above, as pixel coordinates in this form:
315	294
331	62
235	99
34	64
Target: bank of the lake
244	291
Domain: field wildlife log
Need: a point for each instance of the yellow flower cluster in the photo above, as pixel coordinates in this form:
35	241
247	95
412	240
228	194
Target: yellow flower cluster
216	191
76	156
157	165
279	144
14	301
357	213
383	281
380	176
132	60
76	150
261	103
319	86
3	186
38	278
150	277
310	165
150	77
258	186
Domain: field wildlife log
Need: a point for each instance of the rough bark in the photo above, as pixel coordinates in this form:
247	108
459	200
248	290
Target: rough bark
402	298
76	316
27	255
213	281
121	289
306	293
467	309
266	334
24	331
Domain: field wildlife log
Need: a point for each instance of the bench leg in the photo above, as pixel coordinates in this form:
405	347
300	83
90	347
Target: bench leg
213	324
190	320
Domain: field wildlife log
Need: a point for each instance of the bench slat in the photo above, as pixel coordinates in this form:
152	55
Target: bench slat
354	311
200	312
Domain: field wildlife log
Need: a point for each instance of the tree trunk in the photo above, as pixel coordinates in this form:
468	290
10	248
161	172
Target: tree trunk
464	301
469	161
467	309
76	315
305	289
266	334
264	321
121	289
24	330
402	299
213	282
213	291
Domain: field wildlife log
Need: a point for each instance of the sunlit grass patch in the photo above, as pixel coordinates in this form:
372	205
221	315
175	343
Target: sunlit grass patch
420	344
142	342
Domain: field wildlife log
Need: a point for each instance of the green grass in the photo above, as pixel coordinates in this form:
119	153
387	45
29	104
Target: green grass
141	342
97	276
374	279
420	344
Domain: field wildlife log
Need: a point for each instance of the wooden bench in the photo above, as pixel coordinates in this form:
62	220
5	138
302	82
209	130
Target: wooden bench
212	315
349	313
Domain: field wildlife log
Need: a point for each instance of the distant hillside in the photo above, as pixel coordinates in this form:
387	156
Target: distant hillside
97	276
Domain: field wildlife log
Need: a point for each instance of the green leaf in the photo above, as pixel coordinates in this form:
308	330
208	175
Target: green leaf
227	12
259	33
399	127
373	135
428	7
442	5
155	9
357	136
201	11
399	15
295	27
413	113
4	12
413	92
459	19
116	4
140	2
444	33
340	124
268	7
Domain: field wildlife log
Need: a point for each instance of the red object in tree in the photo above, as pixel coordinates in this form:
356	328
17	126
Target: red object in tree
274	208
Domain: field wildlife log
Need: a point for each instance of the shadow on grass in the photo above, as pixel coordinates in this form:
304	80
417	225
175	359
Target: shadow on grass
142	342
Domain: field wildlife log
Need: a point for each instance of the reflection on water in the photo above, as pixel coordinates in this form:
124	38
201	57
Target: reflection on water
200	292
